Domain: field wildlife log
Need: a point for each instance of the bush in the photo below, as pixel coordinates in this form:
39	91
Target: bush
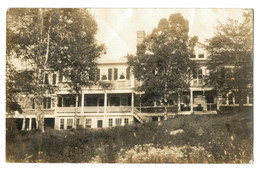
225	138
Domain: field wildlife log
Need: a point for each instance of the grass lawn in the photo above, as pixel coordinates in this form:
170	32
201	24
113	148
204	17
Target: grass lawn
221	138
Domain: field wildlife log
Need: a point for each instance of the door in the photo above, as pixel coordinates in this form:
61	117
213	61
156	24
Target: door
211	102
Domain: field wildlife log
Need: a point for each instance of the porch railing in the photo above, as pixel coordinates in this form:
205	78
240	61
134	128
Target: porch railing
67	109
32	111
91	109
119	109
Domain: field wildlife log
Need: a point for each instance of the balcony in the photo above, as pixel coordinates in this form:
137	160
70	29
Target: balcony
197	82
121	84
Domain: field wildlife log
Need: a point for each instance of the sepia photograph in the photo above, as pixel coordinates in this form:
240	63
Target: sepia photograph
129	85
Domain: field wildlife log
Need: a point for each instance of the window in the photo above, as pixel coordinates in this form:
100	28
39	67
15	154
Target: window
46	79
110	122
128	73
115	73
114	101
69	123
201	55
100	123
193	56
88	123
118	121
53	78
61	123
109	74
47	103
126	121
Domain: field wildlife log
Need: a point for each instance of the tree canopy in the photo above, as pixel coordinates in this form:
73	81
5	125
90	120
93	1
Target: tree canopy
59	40
231	57
162	61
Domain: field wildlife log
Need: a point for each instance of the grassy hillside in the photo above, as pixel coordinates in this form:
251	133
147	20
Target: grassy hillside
225	138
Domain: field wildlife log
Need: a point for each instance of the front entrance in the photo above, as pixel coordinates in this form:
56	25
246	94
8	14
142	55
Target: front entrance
204	101
198	101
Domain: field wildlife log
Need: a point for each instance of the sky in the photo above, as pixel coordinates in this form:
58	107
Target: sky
117	27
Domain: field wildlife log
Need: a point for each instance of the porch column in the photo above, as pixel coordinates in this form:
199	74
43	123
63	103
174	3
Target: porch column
218	102
24	122
132	101
179	101
82	103
205	101
191	100
140	103
30	124
105	102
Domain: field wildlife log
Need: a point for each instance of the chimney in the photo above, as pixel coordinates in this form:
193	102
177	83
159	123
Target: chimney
140	37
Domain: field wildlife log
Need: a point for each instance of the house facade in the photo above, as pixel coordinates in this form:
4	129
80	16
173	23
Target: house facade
122	104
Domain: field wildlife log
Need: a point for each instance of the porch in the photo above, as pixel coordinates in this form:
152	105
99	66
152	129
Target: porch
96	103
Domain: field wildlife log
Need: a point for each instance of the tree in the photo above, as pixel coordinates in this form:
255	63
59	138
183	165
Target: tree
55	40
162	61
231	57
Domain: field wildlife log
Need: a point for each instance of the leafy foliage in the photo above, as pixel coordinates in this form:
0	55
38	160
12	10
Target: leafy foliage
162	61
231	57
225	138
53	40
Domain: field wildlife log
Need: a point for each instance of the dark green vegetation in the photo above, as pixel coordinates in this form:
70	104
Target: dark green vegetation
225	138
231	58
49	41
162	60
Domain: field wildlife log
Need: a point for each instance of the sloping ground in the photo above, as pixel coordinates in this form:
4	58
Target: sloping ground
225	138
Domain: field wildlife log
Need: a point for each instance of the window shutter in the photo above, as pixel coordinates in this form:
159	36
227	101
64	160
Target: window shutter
44	103
98	74
49	102
54	79
60	77
128	73
115	73
46	79
109	74
59	101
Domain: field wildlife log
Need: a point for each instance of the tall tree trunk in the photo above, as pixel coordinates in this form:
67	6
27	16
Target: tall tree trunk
76	111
